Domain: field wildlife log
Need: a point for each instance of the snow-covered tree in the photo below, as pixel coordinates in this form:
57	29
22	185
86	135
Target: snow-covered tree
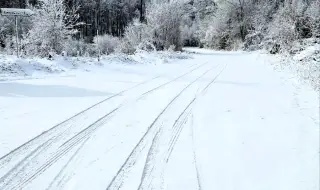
137	36
51	27
106	43
313	12
164	20
205	8
6	30
253	22
282	28
220	24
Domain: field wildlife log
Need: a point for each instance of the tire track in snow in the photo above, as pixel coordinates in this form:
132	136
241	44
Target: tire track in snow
139	98
26	174
118	179
195	157
28	146
177	128
56	182
150	167
40	139
64	174
192	131
176	131
18	170
37	151
152	161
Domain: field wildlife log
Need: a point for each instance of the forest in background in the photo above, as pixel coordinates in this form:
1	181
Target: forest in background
72	26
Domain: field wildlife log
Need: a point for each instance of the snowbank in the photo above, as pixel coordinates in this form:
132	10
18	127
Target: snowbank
204	51
305	62
302	62
307	53
12	68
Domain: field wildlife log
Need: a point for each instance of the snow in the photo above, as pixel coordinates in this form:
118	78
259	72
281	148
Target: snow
73	91
219	120
12	68
257	136
308	52
304	62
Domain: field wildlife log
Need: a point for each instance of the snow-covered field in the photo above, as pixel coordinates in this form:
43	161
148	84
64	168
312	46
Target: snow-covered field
219	120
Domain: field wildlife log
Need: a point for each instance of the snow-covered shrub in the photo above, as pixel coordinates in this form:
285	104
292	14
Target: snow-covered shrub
8	33
218	34
137	36
10	45
76	47
189	34
295	20
282	30
305	60
190	25
231	24
106	43
274	24
253	41
126	47
216	38
51	27
91	50
6	29
313	12
164	20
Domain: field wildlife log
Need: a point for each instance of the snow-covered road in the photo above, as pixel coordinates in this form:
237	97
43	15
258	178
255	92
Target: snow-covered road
222	121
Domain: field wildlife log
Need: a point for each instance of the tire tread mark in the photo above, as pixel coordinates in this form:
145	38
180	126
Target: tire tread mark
74	117
20	166
66	147
6	158
192	102
175	79
178	125
101	118
65	166
179	131
195	157
130	159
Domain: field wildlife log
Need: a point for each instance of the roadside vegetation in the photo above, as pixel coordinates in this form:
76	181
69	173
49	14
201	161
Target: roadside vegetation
82	28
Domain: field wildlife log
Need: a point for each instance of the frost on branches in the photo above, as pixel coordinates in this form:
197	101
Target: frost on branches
164	20
51	26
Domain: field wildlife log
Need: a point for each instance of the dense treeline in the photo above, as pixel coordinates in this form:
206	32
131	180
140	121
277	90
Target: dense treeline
256	24
13	3
128	25
82	20
107	16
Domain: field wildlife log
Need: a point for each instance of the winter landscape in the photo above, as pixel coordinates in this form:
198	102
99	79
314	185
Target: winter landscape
158	94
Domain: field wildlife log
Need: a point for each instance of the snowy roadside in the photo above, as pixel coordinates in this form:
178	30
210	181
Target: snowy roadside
303	63
64	89
300	73
12	68
263	134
